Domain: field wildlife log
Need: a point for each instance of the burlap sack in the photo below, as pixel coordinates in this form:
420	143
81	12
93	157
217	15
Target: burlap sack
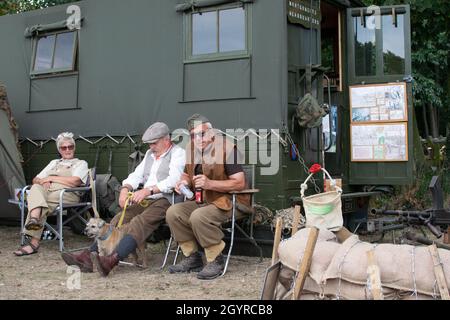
334	290
402	267
291	252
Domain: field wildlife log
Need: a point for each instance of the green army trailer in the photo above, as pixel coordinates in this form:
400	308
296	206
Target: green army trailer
243	64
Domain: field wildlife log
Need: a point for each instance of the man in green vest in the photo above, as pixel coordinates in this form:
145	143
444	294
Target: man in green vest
212	170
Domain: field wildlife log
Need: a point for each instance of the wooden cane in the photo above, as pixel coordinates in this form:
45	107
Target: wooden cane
373	271
306	263
276	240
439	272
296	220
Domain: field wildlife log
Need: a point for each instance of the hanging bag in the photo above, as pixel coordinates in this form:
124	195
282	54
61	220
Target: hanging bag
108	189
323	210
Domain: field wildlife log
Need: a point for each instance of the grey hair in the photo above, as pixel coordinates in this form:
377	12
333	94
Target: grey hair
65	136
209	125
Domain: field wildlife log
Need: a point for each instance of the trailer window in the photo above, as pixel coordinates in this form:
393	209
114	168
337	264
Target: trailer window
330	128
393	44
379	44
365	49
54	53
217	32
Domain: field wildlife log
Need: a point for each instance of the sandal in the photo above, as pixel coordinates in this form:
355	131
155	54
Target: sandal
33	224
23	252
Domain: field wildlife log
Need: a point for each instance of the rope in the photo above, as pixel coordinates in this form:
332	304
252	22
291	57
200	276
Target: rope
338	296
302	161
247	133
129	196
93	194
143	203
413	266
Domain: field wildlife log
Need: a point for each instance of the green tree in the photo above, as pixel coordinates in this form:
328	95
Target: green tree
430	25
16	6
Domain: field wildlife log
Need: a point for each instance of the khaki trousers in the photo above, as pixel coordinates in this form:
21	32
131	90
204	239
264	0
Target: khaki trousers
190	221
140	222
47	201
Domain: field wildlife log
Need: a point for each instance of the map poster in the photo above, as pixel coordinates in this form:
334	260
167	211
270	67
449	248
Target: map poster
379	103
386	142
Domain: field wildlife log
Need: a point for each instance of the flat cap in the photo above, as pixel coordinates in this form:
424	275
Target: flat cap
154	132
195	120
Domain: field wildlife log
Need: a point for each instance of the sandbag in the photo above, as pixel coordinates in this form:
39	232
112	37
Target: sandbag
402	267
335	289
339	271
291	252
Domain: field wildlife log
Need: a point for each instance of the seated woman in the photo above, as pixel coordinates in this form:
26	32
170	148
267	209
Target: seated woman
43	198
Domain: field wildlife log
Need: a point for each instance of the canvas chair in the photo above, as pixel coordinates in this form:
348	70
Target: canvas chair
232	223
74	210
249	171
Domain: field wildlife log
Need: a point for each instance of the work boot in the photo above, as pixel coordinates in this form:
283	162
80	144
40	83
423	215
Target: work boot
213	269
105	264
192	263
82	260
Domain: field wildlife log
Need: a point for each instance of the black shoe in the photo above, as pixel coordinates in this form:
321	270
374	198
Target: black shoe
192	263
213	269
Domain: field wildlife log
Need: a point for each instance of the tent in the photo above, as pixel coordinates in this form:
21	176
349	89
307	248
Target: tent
11	172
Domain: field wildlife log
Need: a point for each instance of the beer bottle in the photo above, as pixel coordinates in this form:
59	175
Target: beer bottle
199	195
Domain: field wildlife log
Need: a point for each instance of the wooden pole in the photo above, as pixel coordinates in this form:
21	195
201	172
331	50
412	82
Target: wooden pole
447	236
439	272
306	263
373	272
296	220
277	240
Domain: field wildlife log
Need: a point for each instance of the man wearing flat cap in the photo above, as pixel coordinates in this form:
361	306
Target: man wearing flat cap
158	173
212	166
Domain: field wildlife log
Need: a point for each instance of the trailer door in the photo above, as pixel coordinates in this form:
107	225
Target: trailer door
380	95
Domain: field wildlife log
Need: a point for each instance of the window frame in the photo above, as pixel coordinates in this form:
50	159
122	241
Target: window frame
380	75
35	73
229	55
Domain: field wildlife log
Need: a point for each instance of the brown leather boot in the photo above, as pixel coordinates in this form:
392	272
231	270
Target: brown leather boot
105	264
82	260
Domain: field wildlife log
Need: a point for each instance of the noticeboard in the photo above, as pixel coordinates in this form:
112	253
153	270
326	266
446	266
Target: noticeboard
380	142
379	103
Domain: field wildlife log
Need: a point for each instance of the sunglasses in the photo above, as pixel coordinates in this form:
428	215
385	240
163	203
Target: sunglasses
65	148
198	135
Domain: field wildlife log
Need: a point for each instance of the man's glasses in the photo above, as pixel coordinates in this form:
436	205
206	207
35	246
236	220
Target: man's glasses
195	135
65	148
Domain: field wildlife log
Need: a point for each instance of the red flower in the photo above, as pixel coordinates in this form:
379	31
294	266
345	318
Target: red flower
315	168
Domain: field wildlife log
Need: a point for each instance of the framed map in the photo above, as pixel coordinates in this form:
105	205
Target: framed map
386	142
379	103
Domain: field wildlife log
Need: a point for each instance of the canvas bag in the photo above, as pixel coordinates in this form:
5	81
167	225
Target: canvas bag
108	190
323	210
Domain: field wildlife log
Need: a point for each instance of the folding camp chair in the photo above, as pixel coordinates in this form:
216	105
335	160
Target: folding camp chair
249	171
171	240
74	210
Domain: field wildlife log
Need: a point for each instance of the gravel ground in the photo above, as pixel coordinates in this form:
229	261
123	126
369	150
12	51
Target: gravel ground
45	276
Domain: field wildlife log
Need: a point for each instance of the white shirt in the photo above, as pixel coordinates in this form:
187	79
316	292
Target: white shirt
176	168
79	168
